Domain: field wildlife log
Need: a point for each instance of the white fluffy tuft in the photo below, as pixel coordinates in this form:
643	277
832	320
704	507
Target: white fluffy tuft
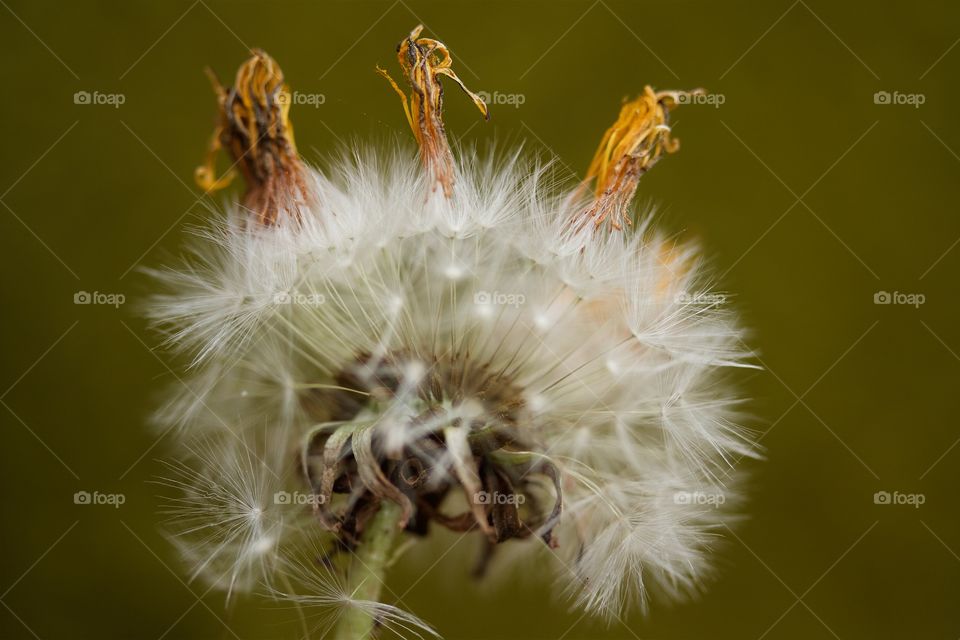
615	338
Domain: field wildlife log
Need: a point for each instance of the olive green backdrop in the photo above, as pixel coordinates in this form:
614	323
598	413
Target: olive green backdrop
810	195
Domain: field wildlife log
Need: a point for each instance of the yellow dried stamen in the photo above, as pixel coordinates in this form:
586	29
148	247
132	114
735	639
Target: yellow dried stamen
423	61
254	127
628	149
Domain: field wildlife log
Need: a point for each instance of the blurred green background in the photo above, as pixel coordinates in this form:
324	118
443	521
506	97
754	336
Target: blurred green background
809	193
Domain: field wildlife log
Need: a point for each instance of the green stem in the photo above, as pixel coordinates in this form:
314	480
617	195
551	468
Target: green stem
367	569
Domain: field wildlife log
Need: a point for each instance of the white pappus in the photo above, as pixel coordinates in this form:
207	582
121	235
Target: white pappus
456	339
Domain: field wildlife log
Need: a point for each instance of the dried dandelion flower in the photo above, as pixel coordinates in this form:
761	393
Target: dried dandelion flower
400	345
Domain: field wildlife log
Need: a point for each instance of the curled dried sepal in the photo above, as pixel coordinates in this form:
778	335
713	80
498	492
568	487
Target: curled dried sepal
423	61
640	135
254	127
465	470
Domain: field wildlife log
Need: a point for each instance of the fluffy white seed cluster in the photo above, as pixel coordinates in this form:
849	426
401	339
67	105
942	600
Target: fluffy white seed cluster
616	343
449	334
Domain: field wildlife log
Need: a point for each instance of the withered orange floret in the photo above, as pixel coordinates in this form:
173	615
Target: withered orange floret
254	127
633	144
423	61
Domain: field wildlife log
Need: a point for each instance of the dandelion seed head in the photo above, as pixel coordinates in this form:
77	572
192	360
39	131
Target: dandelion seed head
450	329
